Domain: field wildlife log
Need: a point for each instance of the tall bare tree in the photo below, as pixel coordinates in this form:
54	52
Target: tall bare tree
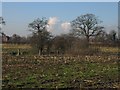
40	35
87	25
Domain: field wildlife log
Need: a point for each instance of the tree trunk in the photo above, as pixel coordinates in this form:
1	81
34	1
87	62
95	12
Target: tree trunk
39	52
88	40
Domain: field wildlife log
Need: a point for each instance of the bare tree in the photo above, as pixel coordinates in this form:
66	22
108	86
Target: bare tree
63	44
15	39
87	25
40	35
112	36
101	38
2	22
113	33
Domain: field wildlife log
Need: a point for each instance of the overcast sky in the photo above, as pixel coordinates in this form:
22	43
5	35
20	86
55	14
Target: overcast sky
18	15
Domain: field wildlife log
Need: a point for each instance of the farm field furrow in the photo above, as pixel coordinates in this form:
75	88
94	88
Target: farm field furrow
60	71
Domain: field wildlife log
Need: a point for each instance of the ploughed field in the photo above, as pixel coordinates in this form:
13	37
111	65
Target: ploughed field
62	71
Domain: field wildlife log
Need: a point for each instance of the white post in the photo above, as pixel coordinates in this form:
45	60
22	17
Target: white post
18	52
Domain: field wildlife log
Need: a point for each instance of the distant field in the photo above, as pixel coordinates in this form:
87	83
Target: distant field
109	49
21	46
48	71
8	47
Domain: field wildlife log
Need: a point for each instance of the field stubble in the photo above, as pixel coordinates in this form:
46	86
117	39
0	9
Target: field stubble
61	71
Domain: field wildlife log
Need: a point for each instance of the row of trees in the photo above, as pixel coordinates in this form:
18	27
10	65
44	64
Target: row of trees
85	28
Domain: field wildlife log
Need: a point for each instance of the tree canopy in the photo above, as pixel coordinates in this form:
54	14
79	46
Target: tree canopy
87	25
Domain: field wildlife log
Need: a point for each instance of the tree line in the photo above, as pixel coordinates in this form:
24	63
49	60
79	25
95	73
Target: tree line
86	30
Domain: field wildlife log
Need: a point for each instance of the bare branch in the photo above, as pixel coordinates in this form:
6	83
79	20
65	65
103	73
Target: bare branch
87	25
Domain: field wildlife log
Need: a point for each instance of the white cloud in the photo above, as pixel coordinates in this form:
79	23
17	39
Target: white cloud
52	20
66	26
51	23
56	26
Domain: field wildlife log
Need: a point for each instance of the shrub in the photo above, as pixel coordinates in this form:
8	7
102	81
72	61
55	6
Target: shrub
82	47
